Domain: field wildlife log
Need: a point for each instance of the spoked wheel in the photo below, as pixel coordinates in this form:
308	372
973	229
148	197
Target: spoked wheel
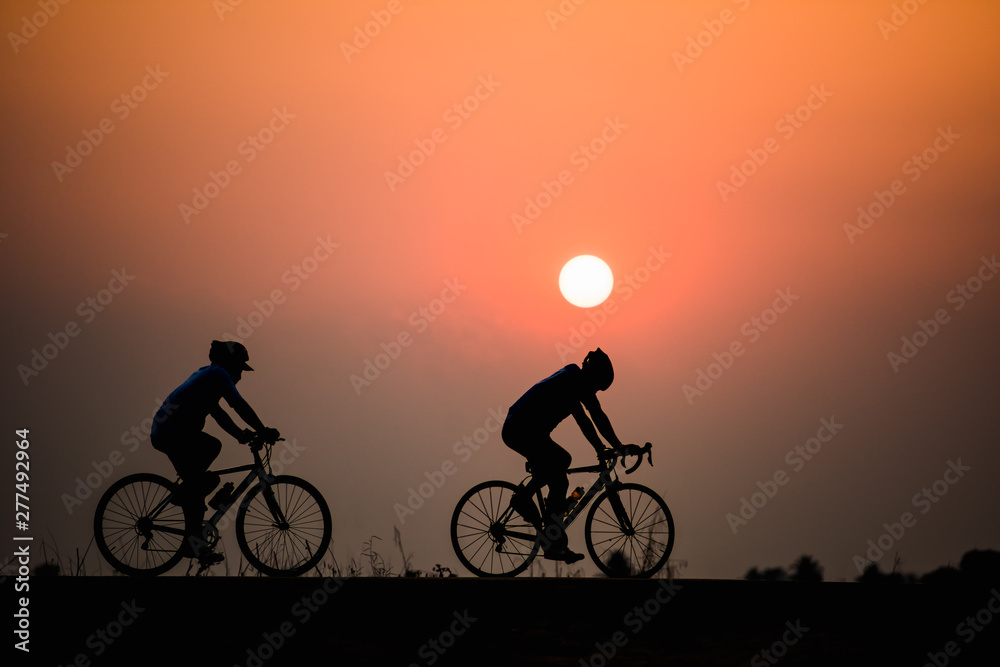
136	529
629	531
284	528
490	538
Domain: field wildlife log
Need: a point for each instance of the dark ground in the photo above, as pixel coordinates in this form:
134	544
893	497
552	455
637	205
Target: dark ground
237	621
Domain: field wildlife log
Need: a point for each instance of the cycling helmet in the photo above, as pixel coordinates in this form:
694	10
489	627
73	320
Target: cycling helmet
229	353
598	365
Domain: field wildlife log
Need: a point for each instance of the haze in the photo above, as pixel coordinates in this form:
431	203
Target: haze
382	219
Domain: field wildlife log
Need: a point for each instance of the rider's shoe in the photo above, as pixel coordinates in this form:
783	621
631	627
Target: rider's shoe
205	555
563	554
208	558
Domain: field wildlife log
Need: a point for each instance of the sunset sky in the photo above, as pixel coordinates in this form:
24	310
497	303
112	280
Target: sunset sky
812	185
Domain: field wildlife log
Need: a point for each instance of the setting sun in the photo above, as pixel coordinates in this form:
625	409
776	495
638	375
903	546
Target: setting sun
586	281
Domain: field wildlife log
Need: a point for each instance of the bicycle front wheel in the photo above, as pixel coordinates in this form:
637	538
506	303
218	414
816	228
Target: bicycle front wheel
629	531
137	529
490	538
284	528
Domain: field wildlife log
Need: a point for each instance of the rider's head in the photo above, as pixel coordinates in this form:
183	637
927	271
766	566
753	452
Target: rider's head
231	356
598	368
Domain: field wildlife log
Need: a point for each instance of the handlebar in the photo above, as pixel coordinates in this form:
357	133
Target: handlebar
628	450
258	441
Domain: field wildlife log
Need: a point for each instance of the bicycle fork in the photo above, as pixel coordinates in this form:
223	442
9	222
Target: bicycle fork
624	520
280	521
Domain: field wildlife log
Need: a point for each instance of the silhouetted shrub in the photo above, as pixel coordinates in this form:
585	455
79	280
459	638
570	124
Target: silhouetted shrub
943	576
619	565
872	575
806	568
47	569
980	566
770	574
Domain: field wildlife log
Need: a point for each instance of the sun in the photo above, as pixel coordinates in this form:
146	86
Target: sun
586	281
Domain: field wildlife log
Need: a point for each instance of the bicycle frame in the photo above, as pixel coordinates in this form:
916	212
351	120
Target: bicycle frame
628	527
255	471
603	481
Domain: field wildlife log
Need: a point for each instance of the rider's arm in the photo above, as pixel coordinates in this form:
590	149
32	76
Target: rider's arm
226	422
588	428
603	424
247	414
238	404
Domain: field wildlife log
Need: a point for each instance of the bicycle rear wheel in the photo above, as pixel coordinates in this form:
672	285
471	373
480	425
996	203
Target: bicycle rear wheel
490	538
137	530
284	528
629	531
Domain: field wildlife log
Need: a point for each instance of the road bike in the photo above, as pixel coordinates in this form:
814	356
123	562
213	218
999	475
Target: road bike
283	524
629	529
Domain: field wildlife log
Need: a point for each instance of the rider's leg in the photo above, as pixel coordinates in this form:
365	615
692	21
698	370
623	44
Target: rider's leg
519	439
551	462
191	457
549	466
523	502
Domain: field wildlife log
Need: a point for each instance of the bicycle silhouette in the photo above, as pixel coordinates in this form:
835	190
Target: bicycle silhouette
283	525
629	529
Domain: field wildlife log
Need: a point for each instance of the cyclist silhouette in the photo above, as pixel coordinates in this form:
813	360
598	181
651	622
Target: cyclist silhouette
178	432
527	430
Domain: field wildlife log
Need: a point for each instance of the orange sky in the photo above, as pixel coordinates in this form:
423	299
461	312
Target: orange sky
298	132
